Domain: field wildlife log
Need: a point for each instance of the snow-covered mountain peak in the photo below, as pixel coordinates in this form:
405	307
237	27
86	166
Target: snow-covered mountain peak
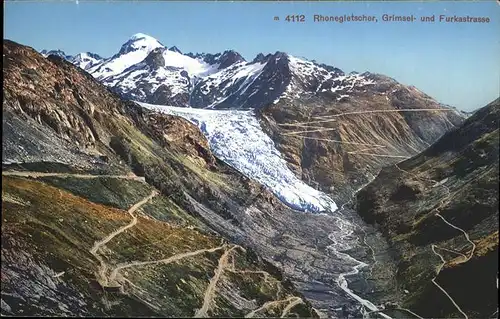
59	53
162	57
311	78
140	35
86	60
163	75
175	49
179	60
140	41
300	66
134	51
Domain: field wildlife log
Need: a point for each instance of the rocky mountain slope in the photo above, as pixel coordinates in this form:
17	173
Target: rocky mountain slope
160	266
337	146
83	234
137	216
440	210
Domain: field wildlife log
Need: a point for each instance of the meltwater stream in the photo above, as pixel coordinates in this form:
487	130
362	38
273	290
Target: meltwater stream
235	137
344	240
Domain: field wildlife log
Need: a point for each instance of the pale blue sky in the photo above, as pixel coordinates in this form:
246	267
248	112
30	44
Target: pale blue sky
456	63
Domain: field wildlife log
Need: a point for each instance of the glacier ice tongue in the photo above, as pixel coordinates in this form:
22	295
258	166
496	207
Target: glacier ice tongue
235	136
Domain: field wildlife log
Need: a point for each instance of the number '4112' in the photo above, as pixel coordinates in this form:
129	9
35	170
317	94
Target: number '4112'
295	18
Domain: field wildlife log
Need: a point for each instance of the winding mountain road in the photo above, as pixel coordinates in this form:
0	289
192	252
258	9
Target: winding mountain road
266	275
466	259
313	126
66	175
330	118
168	260
433	247
433	280
466	237
292	302
210	291
98	244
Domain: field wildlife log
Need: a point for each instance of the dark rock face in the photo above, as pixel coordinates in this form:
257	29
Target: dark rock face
229	58
260	58
407	191
457	178
155	59
175	49
95	56
270	83
194	55
163	96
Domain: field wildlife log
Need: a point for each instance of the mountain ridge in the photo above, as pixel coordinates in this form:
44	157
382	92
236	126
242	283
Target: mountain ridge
439	209
201	90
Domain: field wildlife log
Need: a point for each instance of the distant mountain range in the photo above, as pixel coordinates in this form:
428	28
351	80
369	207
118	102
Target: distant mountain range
147	71
84	60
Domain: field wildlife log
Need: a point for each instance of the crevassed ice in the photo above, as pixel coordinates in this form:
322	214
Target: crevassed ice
235	137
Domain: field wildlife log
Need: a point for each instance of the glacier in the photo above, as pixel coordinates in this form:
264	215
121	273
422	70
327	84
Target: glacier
235	137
